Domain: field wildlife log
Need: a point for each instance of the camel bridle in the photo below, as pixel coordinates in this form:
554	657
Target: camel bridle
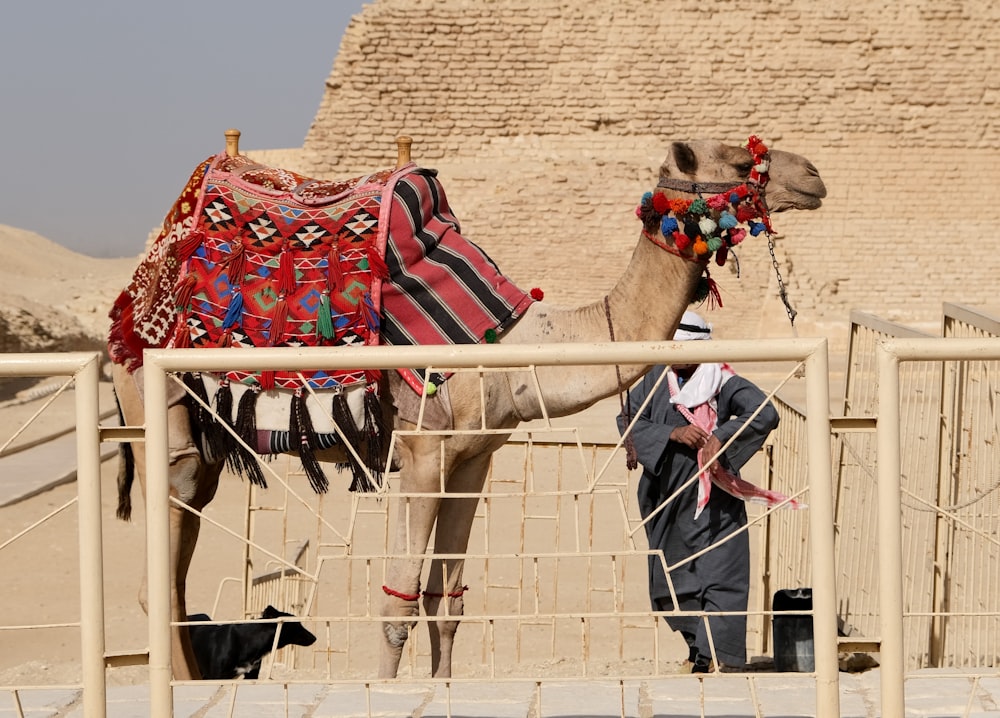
698	188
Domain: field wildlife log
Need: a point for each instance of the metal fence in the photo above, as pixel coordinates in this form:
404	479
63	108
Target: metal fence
949	505
82	371
572	623
831	547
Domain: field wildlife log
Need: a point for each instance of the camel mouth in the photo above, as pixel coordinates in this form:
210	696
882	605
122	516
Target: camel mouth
811	201
807	197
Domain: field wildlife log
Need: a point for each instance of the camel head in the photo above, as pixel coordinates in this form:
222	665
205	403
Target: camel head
794	182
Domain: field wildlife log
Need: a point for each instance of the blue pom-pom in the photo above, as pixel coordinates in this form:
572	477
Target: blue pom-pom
727	220
756	228
647	197
668	226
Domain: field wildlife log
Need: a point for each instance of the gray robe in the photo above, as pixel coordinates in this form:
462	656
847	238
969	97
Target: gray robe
719	580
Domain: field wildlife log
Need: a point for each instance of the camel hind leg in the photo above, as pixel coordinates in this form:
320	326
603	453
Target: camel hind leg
192	482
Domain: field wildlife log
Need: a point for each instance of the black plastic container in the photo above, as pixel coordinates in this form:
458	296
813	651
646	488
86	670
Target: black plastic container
793	635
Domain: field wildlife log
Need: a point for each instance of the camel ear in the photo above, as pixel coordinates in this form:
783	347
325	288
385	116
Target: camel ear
684	158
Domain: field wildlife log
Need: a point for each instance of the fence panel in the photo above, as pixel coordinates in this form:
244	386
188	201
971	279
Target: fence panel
83	372
968	633
579	592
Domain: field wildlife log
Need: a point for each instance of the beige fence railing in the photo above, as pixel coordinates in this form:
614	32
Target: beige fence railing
610	602
966	629
950	496
839	547
82	370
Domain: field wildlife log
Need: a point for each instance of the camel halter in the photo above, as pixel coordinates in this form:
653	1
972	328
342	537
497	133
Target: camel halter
711	226
698	188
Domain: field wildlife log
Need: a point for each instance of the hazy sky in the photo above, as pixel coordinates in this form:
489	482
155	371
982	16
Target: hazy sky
107	105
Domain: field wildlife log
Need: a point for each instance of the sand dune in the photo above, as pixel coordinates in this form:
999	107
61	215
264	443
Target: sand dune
54	299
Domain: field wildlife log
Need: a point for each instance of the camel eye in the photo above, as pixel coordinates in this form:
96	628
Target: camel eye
744	168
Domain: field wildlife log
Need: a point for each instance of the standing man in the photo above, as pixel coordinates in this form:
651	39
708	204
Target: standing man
696	410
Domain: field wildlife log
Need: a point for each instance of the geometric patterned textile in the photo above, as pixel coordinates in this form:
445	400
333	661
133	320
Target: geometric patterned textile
252	256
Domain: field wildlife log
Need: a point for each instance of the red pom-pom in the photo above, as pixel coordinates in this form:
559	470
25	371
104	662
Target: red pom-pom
660	203
537	294
744	213
681	241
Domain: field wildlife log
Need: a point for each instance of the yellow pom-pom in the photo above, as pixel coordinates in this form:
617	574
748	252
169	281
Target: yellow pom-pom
430	388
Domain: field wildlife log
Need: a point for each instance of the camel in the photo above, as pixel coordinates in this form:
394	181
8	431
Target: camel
645	304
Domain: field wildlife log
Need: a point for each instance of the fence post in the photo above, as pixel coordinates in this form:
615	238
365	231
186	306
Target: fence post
88	478
821	533
890	549
158	539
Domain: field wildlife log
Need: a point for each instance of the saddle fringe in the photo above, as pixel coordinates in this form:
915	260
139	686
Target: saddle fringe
218	443
246	429
301	429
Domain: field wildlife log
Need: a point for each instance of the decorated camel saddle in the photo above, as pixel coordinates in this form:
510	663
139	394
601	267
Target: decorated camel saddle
254	256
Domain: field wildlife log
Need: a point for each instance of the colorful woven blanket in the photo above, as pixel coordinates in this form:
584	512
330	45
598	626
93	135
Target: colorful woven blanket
252	256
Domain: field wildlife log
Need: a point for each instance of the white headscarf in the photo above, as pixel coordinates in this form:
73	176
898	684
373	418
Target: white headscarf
692	327
703	386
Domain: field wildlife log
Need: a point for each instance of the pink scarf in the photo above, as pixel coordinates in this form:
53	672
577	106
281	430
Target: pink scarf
697	403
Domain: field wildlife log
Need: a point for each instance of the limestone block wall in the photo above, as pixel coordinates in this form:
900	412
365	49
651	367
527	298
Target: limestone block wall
548	119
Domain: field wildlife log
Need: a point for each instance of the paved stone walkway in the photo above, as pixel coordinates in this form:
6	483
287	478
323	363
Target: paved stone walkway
774	695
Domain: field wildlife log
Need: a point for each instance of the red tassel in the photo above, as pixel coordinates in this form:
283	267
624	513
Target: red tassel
376	264
187	246
236	262
226	339
182	334
721	255
714	298
183	292
335	273
286	272
277	331
267	380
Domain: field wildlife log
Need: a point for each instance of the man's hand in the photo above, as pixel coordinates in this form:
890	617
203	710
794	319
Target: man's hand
690	435
711	446
697	438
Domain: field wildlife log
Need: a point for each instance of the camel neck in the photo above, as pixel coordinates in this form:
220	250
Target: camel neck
649	298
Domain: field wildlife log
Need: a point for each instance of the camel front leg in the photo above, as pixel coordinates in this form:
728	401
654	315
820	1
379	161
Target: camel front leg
444	594
445	591
402	579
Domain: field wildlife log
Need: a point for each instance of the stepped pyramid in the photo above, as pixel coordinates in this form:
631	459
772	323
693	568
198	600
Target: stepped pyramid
548	119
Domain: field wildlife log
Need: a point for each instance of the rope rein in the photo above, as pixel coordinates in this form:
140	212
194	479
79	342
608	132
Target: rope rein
631	460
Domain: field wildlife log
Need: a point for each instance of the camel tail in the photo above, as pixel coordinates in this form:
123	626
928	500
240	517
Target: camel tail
126	474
